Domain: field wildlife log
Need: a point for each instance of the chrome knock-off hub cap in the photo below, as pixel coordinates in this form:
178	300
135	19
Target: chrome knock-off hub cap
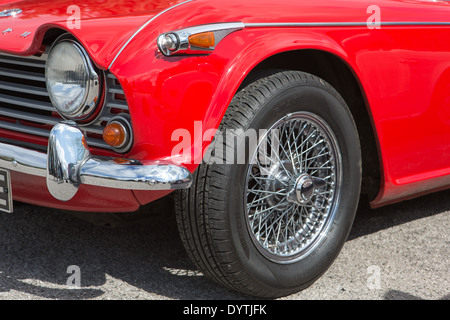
305	188
292	187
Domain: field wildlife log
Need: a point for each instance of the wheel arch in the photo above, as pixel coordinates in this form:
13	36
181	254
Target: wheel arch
340	75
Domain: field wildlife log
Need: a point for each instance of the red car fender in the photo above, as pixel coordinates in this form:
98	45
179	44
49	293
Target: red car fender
172	93
166	94
193	93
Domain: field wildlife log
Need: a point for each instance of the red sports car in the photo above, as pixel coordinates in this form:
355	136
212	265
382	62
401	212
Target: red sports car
267	118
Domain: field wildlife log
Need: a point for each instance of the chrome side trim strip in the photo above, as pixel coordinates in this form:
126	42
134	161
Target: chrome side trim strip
177	42
142	28
10	13
341	24
220	30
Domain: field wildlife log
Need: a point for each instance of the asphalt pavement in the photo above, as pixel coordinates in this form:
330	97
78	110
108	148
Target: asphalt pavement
398	252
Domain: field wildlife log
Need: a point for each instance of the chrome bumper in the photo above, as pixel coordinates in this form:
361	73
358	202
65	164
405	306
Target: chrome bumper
69	164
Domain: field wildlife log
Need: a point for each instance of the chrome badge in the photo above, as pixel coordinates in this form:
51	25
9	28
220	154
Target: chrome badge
10	13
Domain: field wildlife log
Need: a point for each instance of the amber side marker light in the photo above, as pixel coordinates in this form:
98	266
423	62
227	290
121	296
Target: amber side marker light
115	134
203	40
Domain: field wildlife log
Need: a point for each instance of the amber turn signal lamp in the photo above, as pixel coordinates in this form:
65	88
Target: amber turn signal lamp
203	40
115	134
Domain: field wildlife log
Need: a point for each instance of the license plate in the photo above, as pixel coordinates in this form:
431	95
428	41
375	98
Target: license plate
6	203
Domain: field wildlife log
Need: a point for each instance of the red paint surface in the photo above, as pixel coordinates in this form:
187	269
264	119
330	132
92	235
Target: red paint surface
33	190
404	72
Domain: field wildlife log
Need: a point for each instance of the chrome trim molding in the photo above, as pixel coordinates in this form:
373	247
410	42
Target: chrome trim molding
220	30
92	96
142	28
10	13
341	24
177	42
70	164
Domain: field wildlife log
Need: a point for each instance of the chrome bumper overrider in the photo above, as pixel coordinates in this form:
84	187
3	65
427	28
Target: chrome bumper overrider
70	164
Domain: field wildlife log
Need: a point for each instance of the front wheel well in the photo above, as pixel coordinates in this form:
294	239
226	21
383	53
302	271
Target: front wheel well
338	74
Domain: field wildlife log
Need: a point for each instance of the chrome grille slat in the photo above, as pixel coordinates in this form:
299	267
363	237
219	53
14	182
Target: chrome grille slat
117	105
28	116
23	62
115	90
44	133
25	105
106	117
41	57
97	143
14	87
19	74
24	129
93	129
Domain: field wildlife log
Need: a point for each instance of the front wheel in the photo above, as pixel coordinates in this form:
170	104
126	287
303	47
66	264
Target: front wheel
272	225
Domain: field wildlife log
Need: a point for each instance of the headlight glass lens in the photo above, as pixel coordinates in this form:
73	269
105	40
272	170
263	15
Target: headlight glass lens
72	82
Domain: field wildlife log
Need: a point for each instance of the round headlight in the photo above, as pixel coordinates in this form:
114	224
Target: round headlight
72	82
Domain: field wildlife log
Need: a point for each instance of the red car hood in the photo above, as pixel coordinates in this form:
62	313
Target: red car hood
104	26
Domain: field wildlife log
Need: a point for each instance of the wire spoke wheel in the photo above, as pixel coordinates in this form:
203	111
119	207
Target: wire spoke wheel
291	187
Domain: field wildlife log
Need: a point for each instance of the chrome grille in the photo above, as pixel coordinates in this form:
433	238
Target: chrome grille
25	105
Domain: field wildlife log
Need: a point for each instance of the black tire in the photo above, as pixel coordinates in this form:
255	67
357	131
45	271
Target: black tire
212	217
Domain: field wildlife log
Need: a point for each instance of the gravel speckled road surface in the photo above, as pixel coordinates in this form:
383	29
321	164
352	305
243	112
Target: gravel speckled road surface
396	252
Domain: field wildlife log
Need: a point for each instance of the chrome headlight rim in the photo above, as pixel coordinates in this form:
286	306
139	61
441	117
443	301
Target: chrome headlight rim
88	109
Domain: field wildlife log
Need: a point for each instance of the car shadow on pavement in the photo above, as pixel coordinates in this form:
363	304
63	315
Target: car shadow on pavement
399	295
368	221
143	259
